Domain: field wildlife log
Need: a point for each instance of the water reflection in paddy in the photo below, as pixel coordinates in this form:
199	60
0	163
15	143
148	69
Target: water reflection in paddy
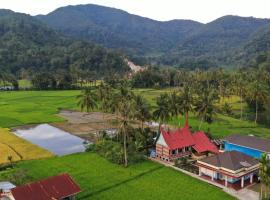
55	140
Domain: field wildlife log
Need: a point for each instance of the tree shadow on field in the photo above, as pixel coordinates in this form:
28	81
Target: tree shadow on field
89	194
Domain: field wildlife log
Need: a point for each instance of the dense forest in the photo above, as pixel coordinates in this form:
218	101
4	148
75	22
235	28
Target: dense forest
28	49
227	41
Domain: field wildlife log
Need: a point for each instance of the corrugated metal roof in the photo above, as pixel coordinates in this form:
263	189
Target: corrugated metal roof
56	187
250	142
6	186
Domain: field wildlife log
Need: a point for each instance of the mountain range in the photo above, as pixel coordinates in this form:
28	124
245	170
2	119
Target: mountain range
28	44
82	35
223	41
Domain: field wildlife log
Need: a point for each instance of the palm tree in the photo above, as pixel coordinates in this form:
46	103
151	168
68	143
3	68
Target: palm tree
162	112
187	101
175	105
264	173
125	107
239	87
258	92
104	95
142	110
87	100
205	105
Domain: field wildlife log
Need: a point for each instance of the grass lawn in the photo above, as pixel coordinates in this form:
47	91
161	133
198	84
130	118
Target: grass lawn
32	107
18	148
100	179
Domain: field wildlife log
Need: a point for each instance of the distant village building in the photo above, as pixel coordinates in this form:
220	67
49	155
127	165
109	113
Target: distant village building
6	88
231	168
61	187
179	143
249	145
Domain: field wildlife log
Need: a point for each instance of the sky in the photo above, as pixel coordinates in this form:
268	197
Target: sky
163	10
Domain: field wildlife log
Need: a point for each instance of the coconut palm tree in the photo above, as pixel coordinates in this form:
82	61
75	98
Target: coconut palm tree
104	94
258	92
162	111
205	105
142	110
125	107
187	101
239	88
87	100
175	105
264	174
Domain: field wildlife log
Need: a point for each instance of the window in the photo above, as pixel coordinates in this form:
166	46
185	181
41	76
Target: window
173	152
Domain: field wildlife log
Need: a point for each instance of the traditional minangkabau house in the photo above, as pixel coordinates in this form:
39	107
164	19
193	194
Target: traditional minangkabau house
174	144
232	168
61	187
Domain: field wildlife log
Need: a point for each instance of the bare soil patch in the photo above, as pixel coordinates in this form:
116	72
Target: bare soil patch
86	125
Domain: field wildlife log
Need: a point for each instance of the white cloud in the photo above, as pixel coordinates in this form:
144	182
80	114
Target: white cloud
200	10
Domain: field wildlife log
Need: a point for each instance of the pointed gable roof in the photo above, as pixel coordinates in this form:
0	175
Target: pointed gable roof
203	144
178	138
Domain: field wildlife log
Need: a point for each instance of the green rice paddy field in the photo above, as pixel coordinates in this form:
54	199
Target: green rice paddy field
31	107
100	179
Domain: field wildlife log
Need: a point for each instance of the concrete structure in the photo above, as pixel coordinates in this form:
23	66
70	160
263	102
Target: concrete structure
230	167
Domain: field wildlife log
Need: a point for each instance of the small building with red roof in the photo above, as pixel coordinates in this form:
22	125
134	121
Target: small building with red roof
174	144
61	187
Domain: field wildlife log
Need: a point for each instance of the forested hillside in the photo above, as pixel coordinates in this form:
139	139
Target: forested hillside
29	46
258	44
178	42
118	29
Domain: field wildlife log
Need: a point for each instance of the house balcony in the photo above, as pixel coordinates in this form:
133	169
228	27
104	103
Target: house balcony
180	155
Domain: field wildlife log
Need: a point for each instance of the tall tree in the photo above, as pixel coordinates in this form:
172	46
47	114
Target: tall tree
239	88
175	105
125	107
187	101
162	111
205	105
264	174
87	100
258	92
142	110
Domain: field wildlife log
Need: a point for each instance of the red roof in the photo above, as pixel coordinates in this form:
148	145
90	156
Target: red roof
203	144
179	138
53	188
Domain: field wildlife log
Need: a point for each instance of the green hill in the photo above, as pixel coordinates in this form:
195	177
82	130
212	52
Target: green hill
26	43
165	43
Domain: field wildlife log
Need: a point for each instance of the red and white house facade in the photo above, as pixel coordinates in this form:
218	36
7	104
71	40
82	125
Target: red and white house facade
174	144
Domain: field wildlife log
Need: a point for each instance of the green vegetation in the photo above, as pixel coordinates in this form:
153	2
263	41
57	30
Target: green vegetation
15	149
31	50
32	107
265	177
100	179
183	43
